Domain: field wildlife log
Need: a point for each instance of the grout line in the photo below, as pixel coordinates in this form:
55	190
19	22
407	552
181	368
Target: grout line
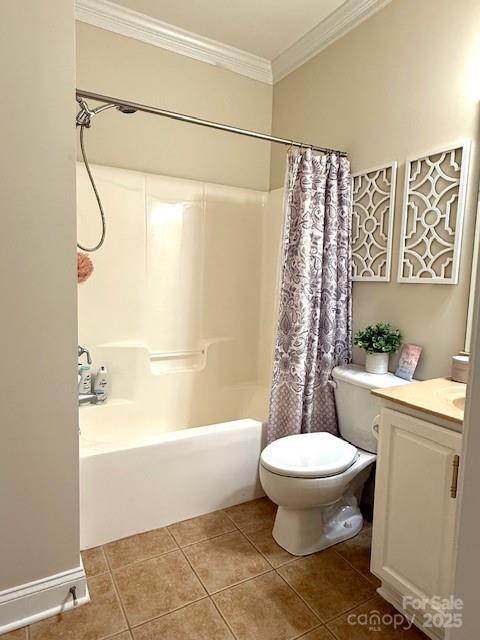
217	535
257	548
231	519
237	525
269	570
130	564
132	627
117	591
97	575
194	572
173	535
301	598
325	622
332	633
177	548
225	511
339	615
104	556
236	584
115	635
311	555
294	559
134	535
354	567
223	618
166	613
305	633
209	596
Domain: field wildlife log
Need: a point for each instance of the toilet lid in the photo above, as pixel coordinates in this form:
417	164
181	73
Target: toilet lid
309	455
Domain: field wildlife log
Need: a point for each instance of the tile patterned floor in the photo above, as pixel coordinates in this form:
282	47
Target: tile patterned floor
222	577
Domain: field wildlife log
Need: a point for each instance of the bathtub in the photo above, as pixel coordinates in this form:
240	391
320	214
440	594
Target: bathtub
133	484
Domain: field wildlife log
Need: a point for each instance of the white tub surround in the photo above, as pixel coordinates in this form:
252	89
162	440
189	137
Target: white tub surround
133	485
29	603
182	334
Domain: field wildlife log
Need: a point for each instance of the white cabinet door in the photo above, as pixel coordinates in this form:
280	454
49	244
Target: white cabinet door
414	517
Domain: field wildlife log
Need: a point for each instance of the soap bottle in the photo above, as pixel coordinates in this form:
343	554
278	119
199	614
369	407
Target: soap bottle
84	378
101	386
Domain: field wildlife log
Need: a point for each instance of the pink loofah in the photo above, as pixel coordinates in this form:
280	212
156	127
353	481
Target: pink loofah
84	267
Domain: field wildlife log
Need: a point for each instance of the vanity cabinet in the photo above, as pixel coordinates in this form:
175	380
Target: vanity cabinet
415	510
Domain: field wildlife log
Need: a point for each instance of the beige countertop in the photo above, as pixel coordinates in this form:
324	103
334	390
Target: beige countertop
440	397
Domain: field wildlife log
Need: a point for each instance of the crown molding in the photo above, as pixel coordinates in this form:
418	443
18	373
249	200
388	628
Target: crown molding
350	14
133	24
126	22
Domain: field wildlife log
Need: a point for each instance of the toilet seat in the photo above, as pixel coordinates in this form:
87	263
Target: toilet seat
309	455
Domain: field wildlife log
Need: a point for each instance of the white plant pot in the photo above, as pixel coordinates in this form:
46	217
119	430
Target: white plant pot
377	363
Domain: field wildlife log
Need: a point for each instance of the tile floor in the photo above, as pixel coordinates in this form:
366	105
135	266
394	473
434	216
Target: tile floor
222	577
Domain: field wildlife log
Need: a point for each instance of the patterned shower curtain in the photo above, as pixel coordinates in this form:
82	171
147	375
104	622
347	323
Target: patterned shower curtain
315	316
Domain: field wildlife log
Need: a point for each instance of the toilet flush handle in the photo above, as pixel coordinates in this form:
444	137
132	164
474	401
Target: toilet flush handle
376	426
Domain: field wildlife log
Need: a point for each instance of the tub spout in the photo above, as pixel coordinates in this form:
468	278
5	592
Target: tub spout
87	398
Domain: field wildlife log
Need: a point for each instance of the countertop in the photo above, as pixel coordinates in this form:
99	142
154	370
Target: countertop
440	397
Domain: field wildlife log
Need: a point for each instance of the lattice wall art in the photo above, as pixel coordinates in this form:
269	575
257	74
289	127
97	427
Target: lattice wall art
373	196
433	212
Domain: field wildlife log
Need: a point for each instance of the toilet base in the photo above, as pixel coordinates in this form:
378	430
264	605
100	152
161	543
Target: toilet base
305	531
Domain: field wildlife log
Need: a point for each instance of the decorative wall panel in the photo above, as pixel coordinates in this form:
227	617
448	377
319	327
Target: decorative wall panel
433	212
372	223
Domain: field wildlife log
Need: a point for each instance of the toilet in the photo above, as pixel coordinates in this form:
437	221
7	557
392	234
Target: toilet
316	479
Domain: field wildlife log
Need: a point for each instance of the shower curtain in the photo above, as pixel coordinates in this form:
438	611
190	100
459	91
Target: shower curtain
315	319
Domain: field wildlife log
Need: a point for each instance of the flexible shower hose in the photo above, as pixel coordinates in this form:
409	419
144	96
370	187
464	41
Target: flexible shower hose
99	202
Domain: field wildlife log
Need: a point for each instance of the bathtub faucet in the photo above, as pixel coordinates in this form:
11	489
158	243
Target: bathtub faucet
82	351
87	398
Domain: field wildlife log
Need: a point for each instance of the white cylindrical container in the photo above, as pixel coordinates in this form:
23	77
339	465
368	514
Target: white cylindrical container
460	367
376	363
84	379
101	386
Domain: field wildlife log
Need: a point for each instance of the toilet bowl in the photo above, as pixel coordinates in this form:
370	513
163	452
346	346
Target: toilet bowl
317	479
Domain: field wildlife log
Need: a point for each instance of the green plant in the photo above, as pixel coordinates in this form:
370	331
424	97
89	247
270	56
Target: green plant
379	338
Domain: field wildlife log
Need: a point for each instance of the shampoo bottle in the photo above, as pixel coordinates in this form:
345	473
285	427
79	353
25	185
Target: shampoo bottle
84	379
101	387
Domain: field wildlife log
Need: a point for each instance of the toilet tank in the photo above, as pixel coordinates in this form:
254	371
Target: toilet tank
356	406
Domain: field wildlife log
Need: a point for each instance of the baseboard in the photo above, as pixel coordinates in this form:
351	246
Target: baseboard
395	599
28	603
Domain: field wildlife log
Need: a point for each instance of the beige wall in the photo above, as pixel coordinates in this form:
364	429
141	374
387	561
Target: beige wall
405	81
39	530
122	67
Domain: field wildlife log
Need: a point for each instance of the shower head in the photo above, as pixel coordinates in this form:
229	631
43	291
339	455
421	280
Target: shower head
85	115
124	109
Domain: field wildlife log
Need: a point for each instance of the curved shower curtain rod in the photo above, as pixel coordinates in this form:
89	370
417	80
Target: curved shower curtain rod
130	107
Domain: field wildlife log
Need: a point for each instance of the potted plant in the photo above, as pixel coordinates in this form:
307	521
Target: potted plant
379	341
